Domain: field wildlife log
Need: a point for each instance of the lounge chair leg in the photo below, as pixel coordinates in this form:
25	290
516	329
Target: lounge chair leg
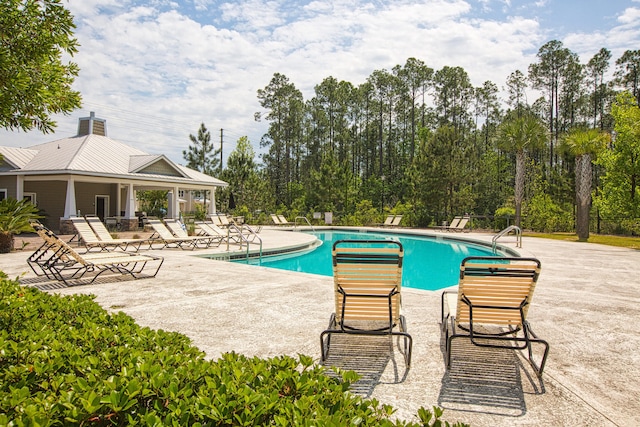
324	345
408	348
538	368
449	340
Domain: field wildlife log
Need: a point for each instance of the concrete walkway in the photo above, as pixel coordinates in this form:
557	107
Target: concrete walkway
587	305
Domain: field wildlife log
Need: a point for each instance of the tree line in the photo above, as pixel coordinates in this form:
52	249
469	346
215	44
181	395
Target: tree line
428	144
412	140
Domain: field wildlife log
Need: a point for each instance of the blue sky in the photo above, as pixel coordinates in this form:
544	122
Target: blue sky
156	69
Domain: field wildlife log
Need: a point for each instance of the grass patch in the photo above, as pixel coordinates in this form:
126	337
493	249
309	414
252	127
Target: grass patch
603	239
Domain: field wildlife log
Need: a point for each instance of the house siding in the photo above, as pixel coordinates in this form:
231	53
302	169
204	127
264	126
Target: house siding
50	197
160	168
86	197
9	183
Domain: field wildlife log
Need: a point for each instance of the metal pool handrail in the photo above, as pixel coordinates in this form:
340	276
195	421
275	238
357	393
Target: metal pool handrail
306	220
507	231
244	238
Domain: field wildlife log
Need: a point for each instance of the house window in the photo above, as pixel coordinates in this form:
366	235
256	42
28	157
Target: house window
30	197
3	193
181	194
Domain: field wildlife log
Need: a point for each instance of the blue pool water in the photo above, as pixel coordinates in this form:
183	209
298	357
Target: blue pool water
429	264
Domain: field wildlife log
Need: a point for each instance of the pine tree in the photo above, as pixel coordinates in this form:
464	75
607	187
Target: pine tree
201	155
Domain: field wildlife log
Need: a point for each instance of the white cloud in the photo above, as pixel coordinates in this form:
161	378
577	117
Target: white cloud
155	73
622	37
631	16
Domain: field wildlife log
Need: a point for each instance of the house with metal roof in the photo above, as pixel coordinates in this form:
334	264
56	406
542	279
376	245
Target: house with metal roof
93	174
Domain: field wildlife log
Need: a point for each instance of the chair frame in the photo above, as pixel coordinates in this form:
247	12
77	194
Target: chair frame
51	244
176	228
454	223
167	238
388	221
284	221
461	225
103	234
275	219
56	260
365	274
500	286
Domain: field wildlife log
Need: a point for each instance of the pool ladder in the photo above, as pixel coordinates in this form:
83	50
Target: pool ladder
243	238
505	232
305	220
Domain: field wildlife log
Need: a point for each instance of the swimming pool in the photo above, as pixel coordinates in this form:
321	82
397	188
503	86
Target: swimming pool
429	264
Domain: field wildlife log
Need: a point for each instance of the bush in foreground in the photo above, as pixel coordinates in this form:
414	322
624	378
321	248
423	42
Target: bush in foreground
66	361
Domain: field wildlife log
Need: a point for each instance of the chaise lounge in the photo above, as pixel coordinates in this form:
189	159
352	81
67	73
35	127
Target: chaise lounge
367	291
93	234
56	260
491	305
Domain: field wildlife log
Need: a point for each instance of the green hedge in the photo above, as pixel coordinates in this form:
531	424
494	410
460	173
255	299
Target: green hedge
66	361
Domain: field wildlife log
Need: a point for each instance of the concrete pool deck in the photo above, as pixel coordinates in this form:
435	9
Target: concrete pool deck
586	305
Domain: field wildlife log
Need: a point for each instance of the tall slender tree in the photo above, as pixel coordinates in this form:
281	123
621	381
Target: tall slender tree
487	108
201	155
547	75
516	88
519	135
416	77
628	72
596	69
285	111
584	144
241	168
453	96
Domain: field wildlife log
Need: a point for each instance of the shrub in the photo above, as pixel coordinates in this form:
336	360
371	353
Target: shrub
243	211
504	217
407	211
66	361
201	212
542	214
15	217
365	214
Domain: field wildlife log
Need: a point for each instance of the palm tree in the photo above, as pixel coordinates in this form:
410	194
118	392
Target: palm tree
518	135
584	144
15	217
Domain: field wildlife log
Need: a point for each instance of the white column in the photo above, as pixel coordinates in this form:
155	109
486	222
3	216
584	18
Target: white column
19	187
173	204
176	203
169	204
130	206
70	201
212	206
118	199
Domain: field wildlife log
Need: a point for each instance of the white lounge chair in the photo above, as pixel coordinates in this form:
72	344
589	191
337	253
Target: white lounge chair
86	229
284	221
168	240
178	231
58	261
460	226
396	221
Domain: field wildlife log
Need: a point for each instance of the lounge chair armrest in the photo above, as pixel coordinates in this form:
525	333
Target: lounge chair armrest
448	302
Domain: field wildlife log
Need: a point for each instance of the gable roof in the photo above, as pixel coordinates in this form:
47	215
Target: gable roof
17	158
99	155
154	164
